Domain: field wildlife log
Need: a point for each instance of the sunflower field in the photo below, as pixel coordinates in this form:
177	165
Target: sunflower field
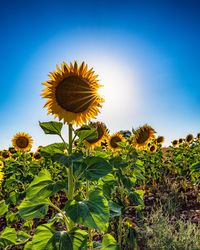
96	190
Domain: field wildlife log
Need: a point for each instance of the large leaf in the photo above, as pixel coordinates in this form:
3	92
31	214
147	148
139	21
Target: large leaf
35	204
115	209
8	237
95	167
52	128
109	243
92	213
53	149
31	209
46	238
3	207
43	186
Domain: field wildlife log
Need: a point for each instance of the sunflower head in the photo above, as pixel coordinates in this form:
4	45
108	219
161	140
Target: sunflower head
175	143
12	150
72	93
198	136
142	136
1	165
5	154
160	139
22	142
189	138
153	148
114	140
1	176
180	141
102	135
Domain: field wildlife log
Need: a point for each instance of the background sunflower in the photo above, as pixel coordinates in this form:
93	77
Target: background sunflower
114	140
22	142
142	136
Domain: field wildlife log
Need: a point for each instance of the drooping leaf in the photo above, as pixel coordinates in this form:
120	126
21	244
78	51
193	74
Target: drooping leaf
109	243
52	127
8	237
3	207
46	238
43	186
31	209
93	213
195	167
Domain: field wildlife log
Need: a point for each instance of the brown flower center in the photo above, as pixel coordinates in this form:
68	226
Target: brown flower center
74	94
22	142
143	137
113	142
152	148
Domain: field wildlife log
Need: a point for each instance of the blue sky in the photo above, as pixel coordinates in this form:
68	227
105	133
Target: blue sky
146	54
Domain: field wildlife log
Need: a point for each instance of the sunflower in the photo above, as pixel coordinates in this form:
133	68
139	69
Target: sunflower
160	139
175	143
22	142
102	135
180	141
1	176
72	93
142	136
1	165
198	136
153	148
114	140
5	154
189	138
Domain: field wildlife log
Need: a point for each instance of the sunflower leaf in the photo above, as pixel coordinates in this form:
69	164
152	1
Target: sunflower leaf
52	128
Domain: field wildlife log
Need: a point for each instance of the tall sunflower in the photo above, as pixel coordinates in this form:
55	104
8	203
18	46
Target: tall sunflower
114	140
142	136
198	136
72	93
22	142
102	135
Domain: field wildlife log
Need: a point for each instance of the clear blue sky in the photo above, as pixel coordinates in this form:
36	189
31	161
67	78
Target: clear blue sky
147	53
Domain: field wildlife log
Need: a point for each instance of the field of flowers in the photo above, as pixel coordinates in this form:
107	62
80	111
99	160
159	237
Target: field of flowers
95	190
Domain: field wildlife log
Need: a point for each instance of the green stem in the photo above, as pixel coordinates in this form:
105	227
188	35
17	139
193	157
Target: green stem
89	229
66	221
120	225
71	183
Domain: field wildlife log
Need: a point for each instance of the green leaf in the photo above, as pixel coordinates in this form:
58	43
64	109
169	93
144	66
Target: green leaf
109	243
86	132
8	237
52	128
46	238
53	149
115	209
3	207
30	209
118	162
43	186
22	237
92	213
195	167
95	167
137	198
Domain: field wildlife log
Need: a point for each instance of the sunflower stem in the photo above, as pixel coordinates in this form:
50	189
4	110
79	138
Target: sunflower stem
70	173
90	236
